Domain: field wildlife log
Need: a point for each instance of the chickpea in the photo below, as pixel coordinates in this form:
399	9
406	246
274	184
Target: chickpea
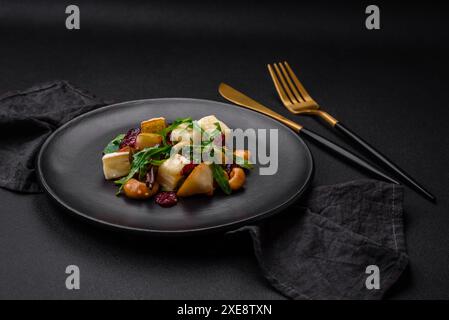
244	154
135	189
237	178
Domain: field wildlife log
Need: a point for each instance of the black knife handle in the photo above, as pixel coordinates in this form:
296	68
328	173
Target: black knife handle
382	159
345	154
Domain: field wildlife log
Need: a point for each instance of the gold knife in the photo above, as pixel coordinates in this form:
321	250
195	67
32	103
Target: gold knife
241	99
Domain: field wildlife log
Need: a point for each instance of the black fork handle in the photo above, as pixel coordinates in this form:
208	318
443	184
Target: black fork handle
349	156
383	160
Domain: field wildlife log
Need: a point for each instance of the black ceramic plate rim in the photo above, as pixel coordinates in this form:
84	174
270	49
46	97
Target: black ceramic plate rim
234	224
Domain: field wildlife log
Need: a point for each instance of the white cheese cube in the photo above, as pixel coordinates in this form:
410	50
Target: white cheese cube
116	165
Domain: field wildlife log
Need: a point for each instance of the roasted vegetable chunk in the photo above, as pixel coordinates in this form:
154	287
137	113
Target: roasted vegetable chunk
154	125
146	140
199	181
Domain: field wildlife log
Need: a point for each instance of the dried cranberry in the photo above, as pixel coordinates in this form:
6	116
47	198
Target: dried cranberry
166	199
188	168
130	138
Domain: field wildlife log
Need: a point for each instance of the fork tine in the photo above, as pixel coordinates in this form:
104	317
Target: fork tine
291	85
284	84
285	99
298	84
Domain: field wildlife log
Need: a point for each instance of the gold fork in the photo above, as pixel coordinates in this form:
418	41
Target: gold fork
298	101
288	85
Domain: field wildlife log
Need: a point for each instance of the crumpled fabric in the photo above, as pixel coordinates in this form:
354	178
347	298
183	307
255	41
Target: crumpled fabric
27	118
325	246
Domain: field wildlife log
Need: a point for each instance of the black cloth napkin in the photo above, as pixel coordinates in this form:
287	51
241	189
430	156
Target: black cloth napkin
27	118
318	249
322	246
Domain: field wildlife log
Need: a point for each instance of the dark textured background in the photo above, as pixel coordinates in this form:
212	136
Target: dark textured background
390	86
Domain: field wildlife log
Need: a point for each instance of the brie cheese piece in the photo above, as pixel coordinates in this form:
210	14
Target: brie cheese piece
116	165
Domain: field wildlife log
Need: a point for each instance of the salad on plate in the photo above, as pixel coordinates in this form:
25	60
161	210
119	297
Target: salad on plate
167	161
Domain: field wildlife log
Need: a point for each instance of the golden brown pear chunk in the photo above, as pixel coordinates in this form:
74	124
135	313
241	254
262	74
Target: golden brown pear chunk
153	125
146	140
199	181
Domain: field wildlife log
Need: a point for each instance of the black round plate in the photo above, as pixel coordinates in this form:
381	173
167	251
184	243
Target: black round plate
70	169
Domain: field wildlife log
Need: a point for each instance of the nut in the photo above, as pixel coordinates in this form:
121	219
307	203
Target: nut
237	178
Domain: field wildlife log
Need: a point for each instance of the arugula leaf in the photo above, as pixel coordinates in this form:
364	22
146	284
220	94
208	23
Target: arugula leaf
114	145
142	172
217	124
177	122
221	177
157	163
141	160
243	163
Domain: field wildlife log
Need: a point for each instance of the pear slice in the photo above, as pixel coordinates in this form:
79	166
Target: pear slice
146	140
153	125
116	165
199	181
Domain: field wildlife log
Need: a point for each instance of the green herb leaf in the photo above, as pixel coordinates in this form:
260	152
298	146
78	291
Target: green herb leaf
220	176
157	163
142	172
217	124
114	145
243	163
141	160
